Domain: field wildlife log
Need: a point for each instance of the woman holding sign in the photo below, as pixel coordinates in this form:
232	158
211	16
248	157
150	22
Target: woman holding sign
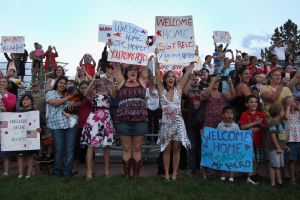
7	104
172	131
132	116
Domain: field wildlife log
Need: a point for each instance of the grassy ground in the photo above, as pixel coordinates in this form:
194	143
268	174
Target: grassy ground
116	187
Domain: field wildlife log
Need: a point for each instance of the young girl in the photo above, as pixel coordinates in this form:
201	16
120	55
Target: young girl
276	143
26	105
292	130
98	130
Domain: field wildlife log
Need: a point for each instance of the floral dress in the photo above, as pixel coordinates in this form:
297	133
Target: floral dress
172	126
98	130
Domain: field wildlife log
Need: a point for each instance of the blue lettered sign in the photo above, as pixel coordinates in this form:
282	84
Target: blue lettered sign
129	44
227	150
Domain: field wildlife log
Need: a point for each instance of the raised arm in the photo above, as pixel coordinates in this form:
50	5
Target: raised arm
229	96
272	96
187	87
275	44
90	88
48	85
7	57
294	81
185	77
160	86
206	93
118	74
81	61
225	49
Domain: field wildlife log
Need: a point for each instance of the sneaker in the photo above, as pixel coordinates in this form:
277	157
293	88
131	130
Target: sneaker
223	178
231	180
5	174
252	180
27	177
20	176
72	122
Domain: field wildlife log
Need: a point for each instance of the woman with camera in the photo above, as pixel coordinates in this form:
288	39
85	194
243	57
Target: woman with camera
215	100
98	131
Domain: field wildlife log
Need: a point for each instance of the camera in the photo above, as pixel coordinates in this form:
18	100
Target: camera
224	78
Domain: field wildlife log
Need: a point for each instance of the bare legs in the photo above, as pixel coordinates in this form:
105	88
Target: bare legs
29	159
90	162
275	173
175	145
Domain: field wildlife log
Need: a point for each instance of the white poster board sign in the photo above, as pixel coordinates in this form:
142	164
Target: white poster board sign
18	131
12	44
175	39
129	44
222	37
104	33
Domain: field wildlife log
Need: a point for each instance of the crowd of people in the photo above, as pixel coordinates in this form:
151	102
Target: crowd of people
117	101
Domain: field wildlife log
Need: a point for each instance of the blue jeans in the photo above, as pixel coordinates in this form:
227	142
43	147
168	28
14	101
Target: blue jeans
195	150
64	143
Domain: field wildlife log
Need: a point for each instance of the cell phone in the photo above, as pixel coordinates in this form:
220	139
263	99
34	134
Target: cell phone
287	75
224	78
220	87
97	77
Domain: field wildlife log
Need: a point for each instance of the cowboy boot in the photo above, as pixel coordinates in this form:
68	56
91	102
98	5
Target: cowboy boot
136	169
126	168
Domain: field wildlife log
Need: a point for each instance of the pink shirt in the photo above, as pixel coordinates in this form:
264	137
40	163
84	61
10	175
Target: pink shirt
9	101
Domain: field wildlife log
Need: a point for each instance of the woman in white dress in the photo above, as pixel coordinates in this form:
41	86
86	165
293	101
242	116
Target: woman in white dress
172	132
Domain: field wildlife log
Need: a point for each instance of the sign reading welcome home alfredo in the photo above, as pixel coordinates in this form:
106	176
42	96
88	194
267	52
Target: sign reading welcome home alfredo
227	150
175	39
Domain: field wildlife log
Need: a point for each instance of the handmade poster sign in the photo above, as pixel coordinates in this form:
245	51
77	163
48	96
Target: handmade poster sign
222	37
175	39
104	33
19	131
12	44
129	44
227	150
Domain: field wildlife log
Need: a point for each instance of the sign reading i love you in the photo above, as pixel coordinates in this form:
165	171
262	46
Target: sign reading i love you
129	44
175	39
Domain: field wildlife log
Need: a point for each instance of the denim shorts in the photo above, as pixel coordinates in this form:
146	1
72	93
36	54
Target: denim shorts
294	154
132	128
276	159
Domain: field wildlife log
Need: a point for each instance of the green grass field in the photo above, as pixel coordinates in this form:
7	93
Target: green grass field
116	187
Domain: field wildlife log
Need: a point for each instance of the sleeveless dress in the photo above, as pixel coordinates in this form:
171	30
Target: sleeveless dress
172	126
98	130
